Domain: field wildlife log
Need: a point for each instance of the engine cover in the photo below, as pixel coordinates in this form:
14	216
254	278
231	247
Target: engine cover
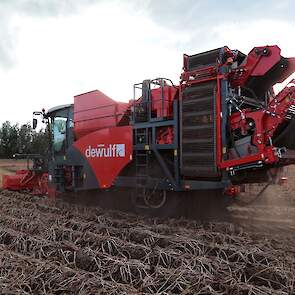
107	151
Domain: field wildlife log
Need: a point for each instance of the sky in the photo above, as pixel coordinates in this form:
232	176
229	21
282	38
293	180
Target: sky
51	50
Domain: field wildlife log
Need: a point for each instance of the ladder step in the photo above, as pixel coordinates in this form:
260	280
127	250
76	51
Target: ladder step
141	166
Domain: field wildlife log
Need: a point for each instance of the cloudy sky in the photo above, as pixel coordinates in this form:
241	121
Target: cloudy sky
51	50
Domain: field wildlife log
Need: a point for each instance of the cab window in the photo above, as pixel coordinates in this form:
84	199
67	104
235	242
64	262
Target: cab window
59	130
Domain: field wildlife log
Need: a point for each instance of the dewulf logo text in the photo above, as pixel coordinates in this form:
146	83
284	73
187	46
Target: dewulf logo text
106	151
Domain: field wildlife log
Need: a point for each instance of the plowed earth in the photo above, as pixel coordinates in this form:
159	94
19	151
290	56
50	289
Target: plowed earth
61	248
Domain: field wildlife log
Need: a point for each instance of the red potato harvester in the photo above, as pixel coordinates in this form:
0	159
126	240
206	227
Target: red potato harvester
221	128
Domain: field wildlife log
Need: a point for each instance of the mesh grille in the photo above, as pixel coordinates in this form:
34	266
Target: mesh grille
192	133
203	59
198	147
204	104
198	130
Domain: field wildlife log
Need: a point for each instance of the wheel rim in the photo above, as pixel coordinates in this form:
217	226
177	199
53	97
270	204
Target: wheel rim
156	199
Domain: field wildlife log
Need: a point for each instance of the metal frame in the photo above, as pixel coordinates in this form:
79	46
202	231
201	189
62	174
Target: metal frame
151	125
173	179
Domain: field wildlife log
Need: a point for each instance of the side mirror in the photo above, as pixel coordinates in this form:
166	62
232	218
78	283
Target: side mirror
35	122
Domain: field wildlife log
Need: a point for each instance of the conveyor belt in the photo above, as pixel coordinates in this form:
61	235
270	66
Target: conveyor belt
199	131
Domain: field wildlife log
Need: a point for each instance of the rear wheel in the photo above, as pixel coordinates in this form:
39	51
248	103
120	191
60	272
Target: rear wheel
199	205
155	199
157	203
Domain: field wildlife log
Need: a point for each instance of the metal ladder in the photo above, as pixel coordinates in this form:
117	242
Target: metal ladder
59	177
141	166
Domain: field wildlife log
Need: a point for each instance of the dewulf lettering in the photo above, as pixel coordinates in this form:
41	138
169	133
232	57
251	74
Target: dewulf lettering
106	151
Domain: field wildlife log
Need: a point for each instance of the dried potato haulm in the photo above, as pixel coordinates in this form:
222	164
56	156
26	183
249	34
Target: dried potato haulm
69	249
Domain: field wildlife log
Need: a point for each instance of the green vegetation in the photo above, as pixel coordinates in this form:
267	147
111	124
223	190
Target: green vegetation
22	139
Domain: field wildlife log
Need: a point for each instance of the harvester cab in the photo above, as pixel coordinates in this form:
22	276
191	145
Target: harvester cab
59	121
60	124
222	127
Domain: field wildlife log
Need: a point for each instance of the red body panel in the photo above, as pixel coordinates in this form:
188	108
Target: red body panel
165	135
13	182
94	110
163	107
260	64
107	151
26	180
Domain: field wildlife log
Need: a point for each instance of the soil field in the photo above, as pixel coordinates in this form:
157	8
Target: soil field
61	248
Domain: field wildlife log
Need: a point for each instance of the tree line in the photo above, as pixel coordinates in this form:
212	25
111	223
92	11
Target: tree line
22	139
